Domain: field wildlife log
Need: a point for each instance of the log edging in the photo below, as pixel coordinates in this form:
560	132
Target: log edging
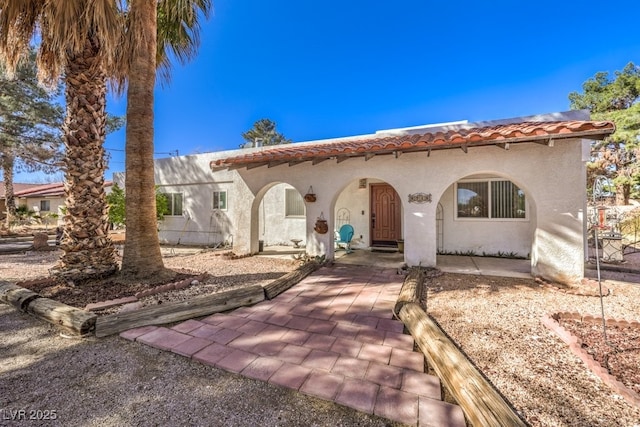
201	306
276	287
70	319
179	310
481	403
82	322
412	289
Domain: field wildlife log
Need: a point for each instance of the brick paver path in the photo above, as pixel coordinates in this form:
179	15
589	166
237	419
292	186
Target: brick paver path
332	336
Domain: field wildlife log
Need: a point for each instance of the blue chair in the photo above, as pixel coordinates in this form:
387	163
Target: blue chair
345	235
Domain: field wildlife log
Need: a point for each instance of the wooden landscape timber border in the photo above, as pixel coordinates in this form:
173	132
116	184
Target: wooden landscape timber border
70	319
201	306
479	400
179	310
275	288
81	322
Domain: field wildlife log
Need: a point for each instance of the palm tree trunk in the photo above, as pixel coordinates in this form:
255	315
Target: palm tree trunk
142	257
87	248
9	199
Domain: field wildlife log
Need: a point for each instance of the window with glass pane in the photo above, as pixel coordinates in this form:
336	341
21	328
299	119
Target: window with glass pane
45	205
294	205
177	204
507	200
174	204
473	198
498	199
220	200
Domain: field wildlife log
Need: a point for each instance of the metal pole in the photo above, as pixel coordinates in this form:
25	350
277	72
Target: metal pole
597	189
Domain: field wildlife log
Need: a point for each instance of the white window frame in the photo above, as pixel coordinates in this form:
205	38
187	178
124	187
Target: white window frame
293	191
48	202
215	203
170	197
489	207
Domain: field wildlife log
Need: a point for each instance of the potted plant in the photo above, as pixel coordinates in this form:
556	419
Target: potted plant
310	197
321	225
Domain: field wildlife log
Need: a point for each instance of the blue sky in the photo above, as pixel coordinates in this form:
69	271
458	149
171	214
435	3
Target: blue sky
348	67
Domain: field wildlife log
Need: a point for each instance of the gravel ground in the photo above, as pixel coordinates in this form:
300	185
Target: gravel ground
115	382
496	321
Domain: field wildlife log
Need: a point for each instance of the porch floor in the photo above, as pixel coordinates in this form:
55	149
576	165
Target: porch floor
484	266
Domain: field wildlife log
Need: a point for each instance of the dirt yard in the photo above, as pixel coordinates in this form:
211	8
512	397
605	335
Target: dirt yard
496	321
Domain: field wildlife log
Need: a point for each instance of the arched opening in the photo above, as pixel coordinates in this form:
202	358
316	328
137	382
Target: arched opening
278	219
486	214
374	209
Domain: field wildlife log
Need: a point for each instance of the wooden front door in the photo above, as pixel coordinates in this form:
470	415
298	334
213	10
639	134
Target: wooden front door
385	215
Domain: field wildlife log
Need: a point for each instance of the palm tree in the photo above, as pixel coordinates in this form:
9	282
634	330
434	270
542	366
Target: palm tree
173	29
83	40
79	40
141	257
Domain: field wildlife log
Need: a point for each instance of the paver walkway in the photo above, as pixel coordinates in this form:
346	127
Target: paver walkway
331	336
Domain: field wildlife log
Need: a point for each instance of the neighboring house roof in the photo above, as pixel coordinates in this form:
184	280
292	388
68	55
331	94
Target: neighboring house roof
43	190
17	187
47	190
459	136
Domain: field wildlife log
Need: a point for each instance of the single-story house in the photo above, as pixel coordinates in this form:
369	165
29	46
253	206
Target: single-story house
46	200
17	186
513	187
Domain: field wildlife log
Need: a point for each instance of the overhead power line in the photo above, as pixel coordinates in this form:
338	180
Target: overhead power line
173	153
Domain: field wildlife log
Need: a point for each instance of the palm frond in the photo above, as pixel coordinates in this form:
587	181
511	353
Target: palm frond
61	28
179	31
18	24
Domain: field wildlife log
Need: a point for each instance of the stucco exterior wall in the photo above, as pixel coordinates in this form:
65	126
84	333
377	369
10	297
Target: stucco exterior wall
276	228
55	205
355	201
483	236
200	223
552	177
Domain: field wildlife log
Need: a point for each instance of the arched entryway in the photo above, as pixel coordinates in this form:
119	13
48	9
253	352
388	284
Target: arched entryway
278	218
486	214
374	209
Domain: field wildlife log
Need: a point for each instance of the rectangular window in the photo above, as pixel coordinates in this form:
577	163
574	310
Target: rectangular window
220	200
507	200
294	205
45	205
473	200
498	199
174	204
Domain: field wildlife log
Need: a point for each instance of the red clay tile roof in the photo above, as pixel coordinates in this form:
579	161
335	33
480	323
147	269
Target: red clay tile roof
56	188
16	187
460	138
44	190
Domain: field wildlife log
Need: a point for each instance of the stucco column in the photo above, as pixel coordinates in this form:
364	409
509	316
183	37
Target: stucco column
319	244
558	248
246	224
420	244
556	253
